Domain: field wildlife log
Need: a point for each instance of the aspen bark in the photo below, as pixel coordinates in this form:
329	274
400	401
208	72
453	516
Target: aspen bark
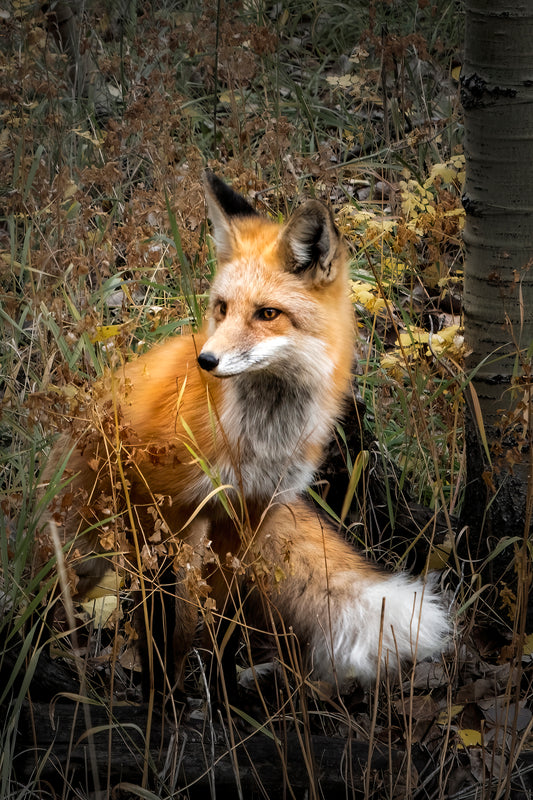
497	97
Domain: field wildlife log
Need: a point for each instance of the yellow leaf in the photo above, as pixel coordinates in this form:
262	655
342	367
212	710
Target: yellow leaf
108	585
390	361
86	135
104	332
394	265
361	286
528	645
442	171
470	738
448	334
69	391
347	81
413	337
456	73
447	340
448	714
366	295
378	305
439	555
101	609
366	298
361	292
394	365
70	190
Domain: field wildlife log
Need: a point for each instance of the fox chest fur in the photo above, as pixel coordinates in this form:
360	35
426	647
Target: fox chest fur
278	428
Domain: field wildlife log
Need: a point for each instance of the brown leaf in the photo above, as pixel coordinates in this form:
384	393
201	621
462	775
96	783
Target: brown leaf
419	707
475	691
148	558
427	675
499	712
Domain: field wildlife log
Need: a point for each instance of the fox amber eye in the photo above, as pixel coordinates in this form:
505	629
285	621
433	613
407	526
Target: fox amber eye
268	314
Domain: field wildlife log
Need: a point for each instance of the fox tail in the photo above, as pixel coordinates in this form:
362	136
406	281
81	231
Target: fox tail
385	622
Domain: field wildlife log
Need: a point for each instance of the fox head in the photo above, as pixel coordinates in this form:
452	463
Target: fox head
277	291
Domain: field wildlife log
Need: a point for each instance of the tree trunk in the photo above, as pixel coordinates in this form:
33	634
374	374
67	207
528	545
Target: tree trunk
197	757
70	28
497	97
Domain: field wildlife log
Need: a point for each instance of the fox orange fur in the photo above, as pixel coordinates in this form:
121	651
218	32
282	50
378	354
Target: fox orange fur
220	432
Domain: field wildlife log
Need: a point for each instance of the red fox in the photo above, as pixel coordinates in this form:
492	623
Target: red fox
222	431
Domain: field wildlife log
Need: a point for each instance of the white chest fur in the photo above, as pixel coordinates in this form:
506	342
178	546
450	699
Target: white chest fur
270	425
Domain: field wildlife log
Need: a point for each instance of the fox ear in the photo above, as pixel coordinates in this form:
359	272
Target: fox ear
223	206
311	243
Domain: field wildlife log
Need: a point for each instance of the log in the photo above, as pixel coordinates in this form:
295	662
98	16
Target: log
55	739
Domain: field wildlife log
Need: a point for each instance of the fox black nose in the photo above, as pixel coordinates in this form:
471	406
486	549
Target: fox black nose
208	361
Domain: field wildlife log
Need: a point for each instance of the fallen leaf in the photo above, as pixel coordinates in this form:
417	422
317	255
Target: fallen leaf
107	585
469	738
104	332
499	712
428	675
418	707
440	554
528	646
445	717
475	691
102	609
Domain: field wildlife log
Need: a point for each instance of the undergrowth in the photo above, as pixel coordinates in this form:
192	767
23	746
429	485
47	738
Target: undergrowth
105	250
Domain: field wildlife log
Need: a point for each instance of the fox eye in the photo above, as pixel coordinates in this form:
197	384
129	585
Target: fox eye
268	314
222	308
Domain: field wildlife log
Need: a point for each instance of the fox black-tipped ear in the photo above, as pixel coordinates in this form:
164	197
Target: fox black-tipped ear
311	242
223	206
